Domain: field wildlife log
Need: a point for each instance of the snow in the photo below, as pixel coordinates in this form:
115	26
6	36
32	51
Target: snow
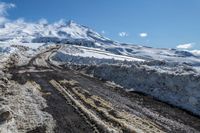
6	50
30	45
196	52
95	53
148	53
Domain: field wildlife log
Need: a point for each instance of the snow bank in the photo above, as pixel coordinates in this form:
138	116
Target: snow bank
89	56
182	90
175	83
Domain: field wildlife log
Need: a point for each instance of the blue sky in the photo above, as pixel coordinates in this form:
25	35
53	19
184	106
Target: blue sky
164	23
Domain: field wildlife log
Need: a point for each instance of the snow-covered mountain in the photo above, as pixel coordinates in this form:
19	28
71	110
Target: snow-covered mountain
32	34
60	32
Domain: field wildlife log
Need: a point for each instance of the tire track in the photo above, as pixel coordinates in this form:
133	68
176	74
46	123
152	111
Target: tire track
105	113
88	115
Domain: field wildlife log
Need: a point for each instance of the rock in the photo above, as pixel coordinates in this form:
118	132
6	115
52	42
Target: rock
5	80
2	86
5	115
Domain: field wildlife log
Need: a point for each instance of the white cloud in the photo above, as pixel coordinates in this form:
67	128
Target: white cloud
4	7
123	34
185	46
103	32
3	11
143	35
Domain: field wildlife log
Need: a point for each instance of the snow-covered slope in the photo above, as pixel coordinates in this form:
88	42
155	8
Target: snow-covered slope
67	51
148	53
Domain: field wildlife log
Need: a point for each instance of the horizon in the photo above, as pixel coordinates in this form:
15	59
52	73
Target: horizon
158	24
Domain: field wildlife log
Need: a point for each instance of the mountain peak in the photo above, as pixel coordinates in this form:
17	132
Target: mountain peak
71	22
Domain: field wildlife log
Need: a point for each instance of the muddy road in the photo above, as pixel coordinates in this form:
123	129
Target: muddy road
82	104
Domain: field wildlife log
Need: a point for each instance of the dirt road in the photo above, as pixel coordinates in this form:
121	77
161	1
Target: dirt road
80	103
